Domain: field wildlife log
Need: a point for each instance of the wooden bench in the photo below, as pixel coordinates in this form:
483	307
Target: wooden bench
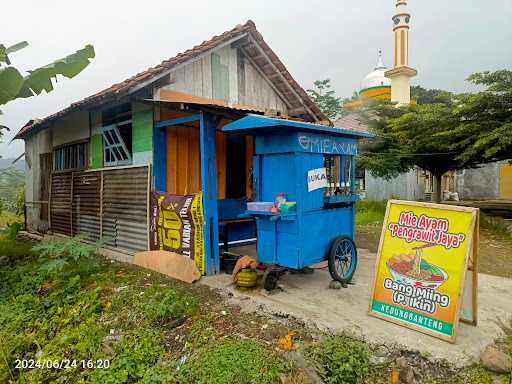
225	224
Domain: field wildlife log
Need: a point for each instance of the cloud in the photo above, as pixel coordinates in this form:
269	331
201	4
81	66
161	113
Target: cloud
315	39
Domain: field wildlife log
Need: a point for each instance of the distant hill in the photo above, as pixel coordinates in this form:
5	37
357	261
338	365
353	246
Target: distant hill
12	180
7	163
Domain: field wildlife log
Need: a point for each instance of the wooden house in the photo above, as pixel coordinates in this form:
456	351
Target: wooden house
91	166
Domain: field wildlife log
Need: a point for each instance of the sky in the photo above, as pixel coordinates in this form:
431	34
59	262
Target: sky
322	39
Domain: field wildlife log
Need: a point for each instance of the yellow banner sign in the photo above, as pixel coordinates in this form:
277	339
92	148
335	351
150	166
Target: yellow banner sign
176	225
421	266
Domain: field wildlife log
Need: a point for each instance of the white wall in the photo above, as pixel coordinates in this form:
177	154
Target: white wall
73	127
406	186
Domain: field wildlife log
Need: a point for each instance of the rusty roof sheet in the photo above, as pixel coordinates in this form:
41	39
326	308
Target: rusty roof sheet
152	73
187	98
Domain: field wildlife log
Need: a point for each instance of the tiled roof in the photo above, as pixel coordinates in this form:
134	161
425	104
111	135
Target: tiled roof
351	122
118	89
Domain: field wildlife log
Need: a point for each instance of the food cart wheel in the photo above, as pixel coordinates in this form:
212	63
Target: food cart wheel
342	259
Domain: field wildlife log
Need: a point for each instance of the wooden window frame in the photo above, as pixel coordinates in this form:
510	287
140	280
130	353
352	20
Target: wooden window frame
115	147
67	163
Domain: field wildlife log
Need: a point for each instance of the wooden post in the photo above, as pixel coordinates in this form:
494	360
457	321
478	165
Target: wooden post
476	244
101	205
49	205
209	189
148	203
71	214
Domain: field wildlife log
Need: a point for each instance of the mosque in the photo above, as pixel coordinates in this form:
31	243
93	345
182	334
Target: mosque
490	181
393	84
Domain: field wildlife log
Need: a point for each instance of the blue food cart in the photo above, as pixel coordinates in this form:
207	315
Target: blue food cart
313	167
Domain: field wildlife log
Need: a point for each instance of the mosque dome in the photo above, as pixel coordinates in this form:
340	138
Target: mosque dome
376	84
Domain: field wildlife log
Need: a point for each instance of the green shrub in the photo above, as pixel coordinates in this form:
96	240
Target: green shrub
20	201
233	361
341	359
15	250
13	229
59	253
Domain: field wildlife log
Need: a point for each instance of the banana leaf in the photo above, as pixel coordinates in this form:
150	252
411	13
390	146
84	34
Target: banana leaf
13	85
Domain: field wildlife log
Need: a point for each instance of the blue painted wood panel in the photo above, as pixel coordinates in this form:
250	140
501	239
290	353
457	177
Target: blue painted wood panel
209	189
160	159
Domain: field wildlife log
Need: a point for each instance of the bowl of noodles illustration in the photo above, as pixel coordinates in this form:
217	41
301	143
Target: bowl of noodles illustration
416	271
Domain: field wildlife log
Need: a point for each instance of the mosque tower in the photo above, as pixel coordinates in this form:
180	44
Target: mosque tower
401	73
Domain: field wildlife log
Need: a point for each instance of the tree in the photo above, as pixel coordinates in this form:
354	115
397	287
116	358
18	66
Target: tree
408	138
430	96
464	132
14	85
485	129
326	99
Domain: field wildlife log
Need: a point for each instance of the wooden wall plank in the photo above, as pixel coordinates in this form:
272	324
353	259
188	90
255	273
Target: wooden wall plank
195	162
259	92
220	150
220	76
184	160
172	159
189	79
183	164
231	62
198	78
240	72
179	80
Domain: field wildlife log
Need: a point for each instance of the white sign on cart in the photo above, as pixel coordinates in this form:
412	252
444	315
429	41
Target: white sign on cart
317	178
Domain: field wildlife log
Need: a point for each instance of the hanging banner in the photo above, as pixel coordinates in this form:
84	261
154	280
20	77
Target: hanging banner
176	225
424	254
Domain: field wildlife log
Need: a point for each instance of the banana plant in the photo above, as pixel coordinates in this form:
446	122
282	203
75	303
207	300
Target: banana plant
14	85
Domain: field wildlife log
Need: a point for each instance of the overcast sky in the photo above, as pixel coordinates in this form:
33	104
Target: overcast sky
335	39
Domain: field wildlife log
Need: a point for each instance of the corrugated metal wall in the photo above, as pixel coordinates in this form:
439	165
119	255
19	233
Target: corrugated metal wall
86	204
109	205
60	210
125	208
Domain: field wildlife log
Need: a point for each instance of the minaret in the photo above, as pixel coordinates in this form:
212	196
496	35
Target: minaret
401	74
380	64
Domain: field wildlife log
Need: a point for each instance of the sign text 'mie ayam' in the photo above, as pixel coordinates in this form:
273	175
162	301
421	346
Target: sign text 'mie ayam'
427	229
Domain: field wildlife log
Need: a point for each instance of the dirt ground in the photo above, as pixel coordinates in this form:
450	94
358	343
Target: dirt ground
495	251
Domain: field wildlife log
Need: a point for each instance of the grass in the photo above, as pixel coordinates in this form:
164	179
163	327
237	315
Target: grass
149	328
152	329
471	375
235	361
370	212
